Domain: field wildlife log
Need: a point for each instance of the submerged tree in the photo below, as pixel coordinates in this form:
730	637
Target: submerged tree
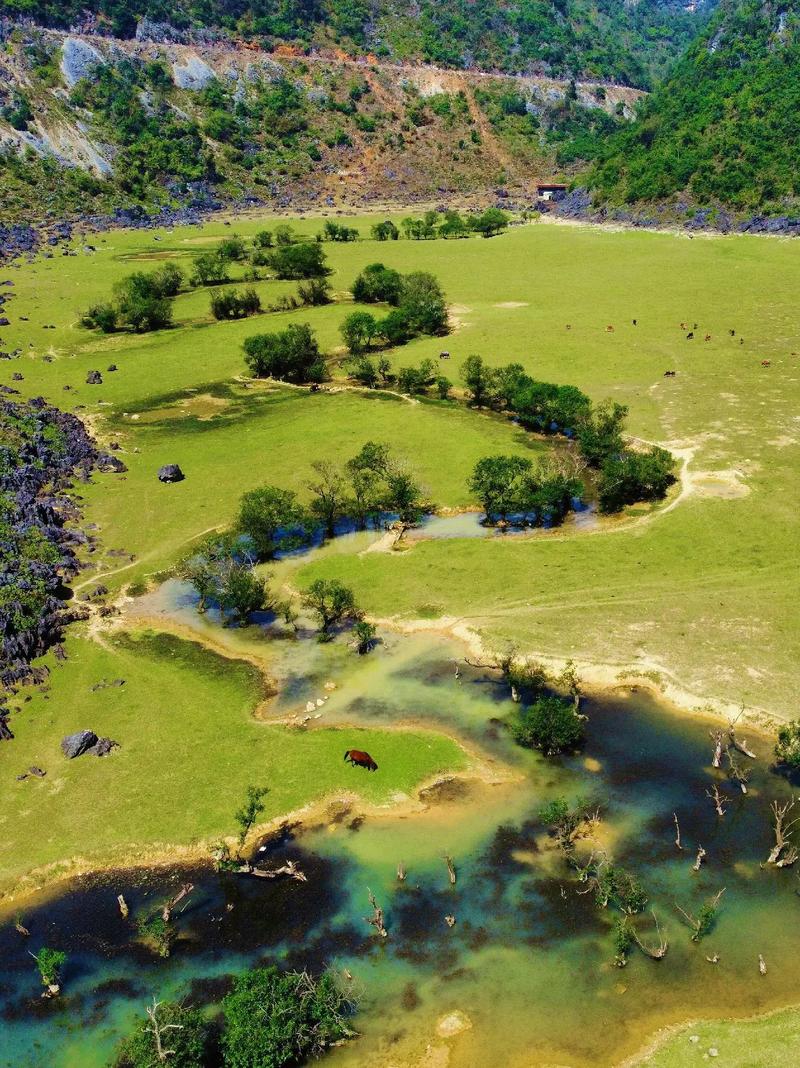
50	963
331	601
173	1034
701	924
551	723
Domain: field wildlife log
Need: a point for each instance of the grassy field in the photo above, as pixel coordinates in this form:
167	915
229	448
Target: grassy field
191	747
761	1043
706	591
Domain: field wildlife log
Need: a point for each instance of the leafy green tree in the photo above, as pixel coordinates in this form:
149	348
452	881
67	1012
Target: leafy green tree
404	495
423	302
303	260
443	387
635	476
552	724
251	809
329	495
50	963
600	434
566	822
102	316
378	284
263	239
479	380
414	380
174	1034
285	234
331	601
167	280
203	574
396	328
497	482
385	231
139	305
275	1019
271	518
315	292
291	355
787	748
365	634
358	330
232	304
241	591
491	222
232	249
210	269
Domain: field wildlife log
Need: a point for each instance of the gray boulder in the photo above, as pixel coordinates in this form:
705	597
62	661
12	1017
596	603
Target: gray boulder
79	60
110	464
94	378
104	746
170	473
194	74
75	745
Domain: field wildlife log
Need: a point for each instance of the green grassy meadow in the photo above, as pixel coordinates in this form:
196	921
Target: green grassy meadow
705	590
191	747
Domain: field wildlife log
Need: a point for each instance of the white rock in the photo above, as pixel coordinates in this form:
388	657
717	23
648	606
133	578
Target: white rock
310	706
453	1024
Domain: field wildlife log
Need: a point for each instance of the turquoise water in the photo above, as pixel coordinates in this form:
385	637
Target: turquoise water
528	963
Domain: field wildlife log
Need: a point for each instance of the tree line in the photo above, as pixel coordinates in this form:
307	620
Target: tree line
624	475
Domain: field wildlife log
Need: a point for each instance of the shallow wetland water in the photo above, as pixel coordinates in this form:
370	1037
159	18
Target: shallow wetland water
527	965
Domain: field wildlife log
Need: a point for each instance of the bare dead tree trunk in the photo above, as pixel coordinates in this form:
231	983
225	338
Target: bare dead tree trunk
401	872
450	921
783	854
157	1030
718	799
701	854
762	965
166	912
677	831
451	871
737	773
714	959
123	906
718	738
20	929
289	869
741	745
376	919
656	952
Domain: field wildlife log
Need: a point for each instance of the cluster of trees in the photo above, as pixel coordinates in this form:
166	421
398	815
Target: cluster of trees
232	304
269	1019
140	302
625	475
417	303
333	231
512	490
448	224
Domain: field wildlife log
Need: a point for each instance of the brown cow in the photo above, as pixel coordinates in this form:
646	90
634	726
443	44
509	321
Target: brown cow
359	759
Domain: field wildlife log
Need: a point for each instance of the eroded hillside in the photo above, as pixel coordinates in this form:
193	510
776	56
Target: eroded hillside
92	123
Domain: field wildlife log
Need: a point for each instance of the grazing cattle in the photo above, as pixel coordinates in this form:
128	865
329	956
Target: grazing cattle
569	326
732	333
765	363
635	322
360	759
609	329
707	337
690	335
683	326
669	374
741	341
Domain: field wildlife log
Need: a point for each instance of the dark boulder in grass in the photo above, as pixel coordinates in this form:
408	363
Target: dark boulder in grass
94	378
107	463
75	745
170	473
104	746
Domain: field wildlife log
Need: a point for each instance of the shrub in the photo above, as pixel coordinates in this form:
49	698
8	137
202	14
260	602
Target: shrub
290	355
274	1019
377	283
635	476
787	748
230	304
385	231
551	724
314	292
210	268
139	304
331	601
305	260
101	316
191	1039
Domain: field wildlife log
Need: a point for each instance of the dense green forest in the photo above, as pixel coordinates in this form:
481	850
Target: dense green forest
609	39
725	126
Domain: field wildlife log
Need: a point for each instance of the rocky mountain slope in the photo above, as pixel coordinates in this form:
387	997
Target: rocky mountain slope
724	129
95	124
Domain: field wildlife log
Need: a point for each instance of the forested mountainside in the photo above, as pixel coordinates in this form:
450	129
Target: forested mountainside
628	42
98	124
724	128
